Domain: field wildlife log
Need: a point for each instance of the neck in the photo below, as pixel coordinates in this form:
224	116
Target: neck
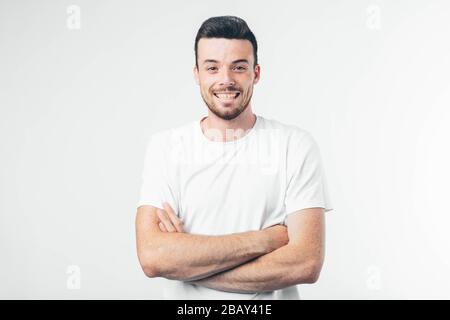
229	129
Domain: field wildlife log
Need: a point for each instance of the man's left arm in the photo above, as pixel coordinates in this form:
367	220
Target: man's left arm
300	261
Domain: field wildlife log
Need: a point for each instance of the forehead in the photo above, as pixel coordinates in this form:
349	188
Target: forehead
222	49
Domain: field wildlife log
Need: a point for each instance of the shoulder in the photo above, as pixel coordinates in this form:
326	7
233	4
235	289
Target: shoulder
167	138
293	134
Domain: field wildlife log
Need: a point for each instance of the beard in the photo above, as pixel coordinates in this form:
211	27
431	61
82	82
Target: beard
227	113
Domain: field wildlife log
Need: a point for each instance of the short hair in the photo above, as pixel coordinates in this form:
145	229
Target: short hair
228	27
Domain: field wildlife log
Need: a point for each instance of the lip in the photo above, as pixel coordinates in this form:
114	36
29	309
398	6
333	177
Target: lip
236	95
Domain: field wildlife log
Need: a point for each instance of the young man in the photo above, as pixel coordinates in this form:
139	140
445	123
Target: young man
231	205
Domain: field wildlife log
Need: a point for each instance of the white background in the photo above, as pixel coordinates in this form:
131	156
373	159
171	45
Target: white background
369	80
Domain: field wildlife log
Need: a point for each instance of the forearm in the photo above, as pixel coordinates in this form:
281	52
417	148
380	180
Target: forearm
183	256
187	257
269	272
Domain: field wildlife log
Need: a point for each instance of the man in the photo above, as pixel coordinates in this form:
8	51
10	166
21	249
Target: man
231	206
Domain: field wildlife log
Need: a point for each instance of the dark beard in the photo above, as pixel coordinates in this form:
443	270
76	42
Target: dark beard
230	116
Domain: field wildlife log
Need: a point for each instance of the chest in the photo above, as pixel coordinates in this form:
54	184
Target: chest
232	193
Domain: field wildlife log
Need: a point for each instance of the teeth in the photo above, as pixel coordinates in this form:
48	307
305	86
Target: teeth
227	95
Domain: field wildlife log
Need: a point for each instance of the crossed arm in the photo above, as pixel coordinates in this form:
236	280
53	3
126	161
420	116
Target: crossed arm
248	262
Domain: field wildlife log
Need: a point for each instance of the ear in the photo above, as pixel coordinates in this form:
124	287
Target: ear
257	73
195	71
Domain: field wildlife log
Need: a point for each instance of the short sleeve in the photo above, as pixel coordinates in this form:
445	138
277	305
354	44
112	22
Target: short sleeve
155	182
307	185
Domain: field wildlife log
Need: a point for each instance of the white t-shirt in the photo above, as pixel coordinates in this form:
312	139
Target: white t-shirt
220	188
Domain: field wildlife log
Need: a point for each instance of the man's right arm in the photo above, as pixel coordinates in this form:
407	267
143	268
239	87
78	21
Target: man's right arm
188	257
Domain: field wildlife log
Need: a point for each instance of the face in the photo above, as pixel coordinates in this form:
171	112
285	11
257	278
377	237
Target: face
226	75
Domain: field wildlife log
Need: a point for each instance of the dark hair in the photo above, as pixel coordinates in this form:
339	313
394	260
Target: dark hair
228	27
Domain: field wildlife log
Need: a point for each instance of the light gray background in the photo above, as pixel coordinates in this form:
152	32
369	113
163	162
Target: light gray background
369	79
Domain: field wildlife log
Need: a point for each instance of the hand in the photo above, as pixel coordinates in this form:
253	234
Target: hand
168	220
277	236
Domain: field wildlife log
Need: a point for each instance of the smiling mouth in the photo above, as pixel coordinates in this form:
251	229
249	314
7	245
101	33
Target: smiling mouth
227	96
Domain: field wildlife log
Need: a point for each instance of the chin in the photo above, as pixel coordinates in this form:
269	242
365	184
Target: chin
230	115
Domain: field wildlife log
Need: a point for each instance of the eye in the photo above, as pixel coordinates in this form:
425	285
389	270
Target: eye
241	68
211	68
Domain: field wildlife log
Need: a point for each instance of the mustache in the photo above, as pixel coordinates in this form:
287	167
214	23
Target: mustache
228	89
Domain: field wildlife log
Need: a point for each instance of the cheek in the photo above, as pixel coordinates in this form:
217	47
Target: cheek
246	83
207	84
205	87
247	89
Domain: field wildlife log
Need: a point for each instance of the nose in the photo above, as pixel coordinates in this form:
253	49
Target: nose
225	78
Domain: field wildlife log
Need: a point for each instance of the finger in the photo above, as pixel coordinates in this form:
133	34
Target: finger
162	215
176	222
161	227
164	219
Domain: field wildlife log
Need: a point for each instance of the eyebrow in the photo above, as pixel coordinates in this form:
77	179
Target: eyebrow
234	62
